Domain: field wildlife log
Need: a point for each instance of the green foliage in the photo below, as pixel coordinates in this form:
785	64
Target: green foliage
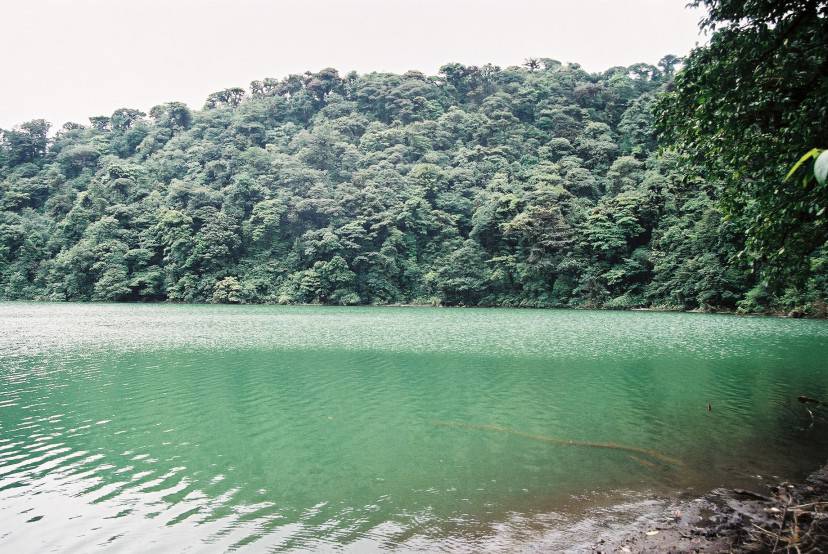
227	291
743	109
525	186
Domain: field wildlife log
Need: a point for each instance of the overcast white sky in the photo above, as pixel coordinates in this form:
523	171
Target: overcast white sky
65	60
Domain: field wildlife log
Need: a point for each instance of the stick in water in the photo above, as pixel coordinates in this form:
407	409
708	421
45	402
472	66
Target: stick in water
552	440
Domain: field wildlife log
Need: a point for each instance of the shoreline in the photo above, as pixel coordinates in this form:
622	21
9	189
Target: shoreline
789	517
781	315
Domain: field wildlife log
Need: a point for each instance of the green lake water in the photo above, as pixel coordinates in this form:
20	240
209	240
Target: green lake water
263	428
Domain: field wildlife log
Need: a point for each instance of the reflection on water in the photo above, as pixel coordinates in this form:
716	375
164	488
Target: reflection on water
304	428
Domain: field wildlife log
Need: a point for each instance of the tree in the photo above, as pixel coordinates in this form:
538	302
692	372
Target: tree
26	143
461	279
537	185
125	118
744	109
532	64
230	97
175	116
227	291
668	64
100	123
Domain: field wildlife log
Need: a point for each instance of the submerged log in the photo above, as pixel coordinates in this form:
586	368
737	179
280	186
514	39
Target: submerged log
654	454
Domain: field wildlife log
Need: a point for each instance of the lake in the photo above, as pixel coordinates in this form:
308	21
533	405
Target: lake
279	428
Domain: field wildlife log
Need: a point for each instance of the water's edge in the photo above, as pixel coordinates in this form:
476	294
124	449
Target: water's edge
795	314
732	520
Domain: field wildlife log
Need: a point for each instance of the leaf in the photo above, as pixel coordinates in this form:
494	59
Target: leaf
821	168
813	152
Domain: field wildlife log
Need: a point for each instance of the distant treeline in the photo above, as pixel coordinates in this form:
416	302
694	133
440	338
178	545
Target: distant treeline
541	185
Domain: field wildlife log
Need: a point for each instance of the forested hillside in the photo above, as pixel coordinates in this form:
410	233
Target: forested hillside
539	185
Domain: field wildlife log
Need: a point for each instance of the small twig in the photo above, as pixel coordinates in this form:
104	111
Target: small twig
781	526
800	506
771	533
795	538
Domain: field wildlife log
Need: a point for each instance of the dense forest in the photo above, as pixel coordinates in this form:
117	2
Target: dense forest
540	186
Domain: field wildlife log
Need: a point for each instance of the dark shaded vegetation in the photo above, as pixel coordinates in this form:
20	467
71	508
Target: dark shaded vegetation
741	112
540	186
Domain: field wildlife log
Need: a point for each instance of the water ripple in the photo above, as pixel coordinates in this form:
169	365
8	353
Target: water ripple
279	429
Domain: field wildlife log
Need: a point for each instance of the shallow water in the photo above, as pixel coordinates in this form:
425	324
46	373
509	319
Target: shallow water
204	428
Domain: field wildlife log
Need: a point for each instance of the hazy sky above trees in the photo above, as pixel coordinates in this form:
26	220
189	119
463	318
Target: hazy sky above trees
70	59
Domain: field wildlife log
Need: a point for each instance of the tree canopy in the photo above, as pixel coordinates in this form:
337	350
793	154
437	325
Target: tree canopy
540	185
744	109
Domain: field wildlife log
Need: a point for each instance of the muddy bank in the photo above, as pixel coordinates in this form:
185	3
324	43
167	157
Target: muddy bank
784	518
